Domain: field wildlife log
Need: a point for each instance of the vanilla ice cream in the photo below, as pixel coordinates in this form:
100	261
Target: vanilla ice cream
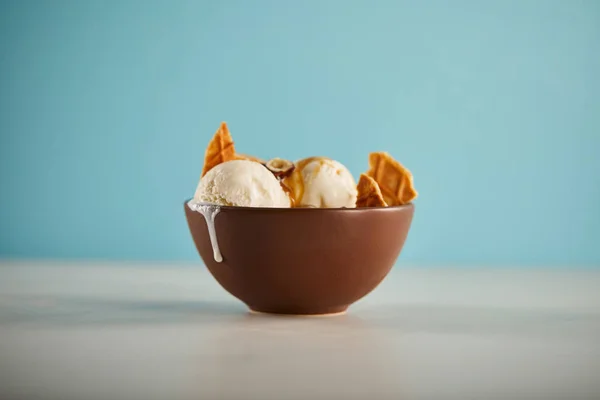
241	183
323	183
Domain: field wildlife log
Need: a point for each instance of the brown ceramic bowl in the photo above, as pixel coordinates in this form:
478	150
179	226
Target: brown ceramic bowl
302	260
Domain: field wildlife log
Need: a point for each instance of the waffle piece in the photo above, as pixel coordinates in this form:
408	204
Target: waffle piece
219	150
395	181
369	194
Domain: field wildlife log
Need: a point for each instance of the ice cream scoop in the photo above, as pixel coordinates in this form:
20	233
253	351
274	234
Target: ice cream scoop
241	183
322	183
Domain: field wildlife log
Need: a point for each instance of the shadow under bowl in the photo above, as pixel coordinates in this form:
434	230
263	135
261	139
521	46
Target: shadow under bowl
301	261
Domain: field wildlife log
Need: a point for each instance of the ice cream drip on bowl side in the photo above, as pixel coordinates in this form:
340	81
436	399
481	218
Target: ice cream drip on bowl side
209	212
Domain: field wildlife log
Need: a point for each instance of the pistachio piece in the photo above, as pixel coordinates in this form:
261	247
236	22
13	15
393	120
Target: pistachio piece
280	168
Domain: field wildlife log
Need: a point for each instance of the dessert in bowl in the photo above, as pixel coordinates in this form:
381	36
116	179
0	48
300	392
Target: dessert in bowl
298	238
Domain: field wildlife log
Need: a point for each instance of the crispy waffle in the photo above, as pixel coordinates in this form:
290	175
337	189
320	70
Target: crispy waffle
395	181
369	194
219	150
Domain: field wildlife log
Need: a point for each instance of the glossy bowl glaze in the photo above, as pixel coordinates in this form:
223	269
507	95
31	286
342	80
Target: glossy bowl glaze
301	260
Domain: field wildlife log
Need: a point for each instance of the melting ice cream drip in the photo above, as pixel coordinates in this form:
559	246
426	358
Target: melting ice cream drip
209	212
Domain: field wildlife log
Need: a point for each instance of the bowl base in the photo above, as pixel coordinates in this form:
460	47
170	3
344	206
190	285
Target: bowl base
329	312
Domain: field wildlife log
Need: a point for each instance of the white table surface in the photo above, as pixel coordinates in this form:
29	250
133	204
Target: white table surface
135	331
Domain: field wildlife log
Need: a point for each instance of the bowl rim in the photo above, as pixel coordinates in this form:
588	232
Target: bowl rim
306	209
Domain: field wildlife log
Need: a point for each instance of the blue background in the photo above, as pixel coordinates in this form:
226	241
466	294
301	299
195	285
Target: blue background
106	108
